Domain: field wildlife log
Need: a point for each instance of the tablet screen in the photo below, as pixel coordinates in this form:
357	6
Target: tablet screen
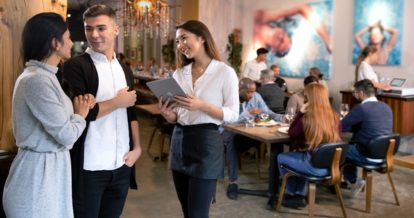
397	82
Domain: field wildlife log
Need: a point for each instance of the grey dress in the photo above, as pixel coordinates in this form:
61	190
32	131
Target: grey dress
45	128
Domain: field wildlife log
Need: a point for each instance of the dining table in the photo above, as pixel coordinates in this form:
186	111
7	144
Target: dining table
273	137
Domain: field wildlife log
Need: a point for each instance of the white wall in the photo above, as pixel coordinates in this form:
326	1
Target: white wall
221	17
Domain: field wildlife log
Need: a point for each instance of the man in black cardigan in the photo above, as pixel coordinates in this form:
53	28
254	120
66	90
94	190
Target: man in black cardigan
104	156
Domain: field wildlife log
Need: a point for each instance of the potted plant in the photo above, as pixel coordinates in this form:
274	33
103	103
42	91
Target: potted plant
234	49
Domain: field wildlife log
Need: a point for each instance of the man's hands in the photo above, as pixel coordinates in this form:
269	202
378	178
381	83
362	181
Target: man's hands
132	156
125	98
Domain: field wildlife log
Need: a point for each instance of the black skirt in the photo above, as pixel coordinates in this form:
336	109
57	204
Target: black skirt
198	151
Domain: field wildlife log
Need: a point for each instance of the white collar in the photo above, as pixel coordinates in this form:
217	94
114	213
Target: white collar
370	99
99	56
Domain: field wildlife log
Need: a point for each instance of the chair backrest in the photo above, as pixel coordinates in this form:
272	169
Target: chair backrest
377	147
323	155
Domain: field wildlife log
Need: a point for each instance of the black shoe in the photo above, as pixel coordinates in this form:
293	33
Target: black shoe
294	201
232	191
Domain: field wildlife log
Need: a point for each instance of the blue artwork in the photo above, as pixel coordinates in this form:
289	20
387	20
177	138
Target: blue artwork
380	23
298	38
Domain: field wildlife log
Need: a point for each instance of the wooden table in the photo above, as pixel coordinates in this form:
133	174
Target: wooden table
275	141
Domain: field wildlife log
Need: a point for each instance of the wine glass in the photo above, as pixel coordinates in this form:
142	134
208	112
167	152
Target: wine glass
290	115
344	110
264	117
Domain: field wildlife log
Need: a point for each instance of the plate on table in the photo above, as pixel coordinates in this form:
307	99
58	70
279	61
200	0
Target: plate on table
267	123
283	129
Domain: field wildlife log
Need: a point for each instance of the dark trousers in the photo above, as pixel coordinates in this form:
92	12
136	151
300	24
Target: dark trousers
104	193
195	194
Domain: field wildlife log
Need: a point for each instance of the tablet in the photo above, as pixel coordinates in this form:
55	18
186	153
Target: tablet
166	88
397	82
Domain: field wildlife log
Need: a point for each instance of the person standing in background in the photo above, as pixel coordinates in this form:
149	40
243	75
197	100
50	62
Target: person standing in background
197	151
253	68
45	125
364	70
103	158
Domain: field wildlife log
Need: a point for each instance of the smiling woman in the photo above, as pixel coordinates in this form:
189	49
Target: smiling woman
212	98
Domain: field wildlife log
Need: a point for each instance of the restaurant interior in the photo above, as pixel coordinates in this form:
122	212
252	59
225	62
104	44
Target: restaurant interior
147	44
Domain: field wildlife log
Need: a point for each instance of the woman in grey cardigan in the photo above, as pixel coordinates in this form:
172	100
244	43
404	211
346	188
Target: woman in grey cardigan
45	125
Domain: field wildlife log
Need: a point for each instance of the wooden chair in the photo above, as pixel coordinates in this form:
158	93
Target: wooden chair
329	156
383	147
165	130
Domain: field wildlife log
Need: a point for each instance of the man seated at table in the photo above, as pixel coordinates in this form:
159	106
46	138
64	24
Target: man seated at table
251	105
296	100
277	79
271	93
370	119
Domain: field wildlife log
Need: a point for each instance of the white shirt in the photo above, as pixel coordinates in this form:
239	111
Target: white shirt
107	140
365	71
252	69
218	86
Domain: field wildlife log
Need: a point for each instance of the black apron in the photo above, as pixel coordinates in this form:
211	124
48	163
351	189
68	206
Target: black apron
198	151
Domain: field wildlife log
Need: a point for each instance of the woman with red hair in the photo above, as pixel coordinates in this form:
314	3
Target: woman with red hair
316	123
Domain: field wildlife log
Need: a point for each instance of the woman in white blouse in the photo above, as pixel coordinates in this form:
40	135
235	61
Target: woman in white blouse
197	149
364	70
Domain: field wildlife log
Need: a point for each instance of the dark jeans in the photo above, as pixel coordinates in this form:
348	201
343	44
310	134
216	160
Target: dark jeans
195	194
355	156
104	193
236	144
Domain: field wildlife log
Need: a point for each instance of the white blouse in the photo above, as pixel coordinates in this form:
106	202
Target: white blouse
218	86
365	71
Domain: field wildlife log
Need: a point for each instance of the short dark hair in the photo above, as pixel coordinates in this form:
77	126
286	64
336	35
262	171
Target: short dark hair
38	34
274	66
97	10
365	86
261	51
310	79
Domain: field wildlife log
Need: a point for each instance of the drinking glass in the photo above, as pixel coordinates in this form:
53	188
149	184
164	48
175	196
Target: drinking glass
344	110
290	115
250	123
264	117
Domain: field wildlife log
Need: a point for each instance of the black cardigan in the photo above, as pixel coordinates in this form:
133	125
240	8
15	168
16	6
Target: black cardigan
81	77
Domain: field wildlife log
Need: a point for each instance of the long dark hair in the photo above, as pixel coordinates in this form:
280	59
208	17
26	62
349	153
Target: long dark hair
38	34
370	49
199	29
